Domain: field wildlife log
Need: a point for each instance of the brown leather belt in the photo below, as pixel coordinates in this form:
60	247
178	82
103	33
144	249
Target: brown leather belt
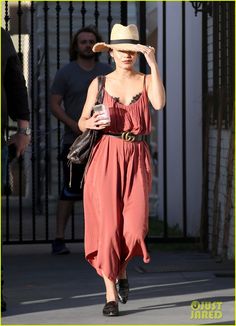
128	136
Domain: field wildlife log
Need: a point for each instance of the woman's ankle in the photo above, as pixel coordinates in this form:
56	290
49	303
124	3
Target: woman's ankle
111	297
122	275
111	292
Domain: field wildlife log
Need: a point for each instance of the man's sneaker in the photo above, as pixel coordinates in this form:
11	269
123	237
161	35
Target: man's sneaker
59	247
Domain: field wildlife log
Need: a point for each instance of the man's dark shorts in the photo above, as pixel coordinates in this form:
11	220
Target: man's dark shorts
74	192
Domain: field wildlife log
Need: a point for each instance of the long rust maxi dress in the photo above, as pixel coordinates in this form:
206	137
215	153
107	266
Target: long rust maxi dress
116	190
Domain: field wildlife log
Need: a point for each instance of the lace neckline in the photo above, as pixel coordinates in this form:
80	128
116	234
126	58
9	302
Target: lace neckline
135	98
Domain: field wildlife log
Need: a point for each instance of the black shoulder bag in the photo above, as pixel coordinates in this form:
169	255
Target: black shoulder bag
81	148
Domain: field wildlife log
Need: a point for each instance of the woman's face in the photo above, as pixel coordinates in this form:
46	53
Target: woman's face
124	59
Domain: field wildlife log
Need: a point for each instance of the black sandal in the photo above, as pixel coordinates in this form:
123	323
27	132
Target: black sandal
122	287
111	309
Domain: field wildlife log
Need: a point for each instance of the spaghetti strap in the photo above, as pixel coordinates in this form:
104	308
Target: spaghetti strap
144	81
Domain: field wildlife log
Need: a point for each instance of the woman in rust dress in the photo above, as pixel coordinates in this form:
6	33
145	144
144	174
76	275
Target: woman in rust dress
118	178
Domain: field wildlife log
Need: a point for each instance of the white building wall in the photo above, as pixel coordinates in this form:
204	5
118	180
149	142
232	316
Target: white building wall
174	116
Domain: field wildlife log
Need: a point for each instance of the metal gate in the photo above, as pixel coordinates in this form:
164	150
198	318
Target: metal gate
42	32
218	113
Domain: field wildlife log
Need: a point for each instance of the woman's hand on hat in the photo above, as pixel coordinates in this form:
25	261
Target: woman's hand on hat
95	122
149	53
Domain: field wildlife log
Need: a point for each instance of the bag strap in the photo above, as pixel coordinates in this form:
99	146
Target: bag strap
100	95
101	84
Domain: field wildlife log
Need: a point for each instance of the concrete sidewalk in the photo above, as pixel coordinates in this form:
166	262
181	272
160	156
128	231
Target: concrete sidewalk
45	289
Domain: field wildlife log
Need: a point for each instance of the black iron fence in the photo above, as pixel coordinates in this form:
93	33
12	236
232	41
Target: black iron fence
218	85
41	32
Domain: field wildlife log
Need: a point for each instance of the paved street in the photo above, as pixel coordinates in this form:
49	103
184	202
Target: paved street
45	289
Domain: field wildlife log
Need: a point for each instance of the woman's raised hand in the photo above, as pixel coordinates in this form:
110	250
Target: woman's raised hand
149	53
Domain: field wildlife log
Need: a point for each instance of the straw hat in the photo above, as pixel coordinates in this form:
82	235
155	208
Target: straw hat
122	38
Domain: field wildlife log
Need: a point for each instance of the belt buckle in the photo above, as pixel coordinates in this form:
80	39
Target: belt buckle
128	136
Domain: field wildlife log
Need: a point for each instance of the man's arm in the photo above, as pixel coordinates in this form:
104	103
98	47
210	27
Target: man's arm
20	140
17	97
60	114
15	86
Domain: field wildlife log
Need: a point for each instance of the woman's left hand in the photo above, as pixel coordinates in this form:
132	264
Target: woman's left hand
149	53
